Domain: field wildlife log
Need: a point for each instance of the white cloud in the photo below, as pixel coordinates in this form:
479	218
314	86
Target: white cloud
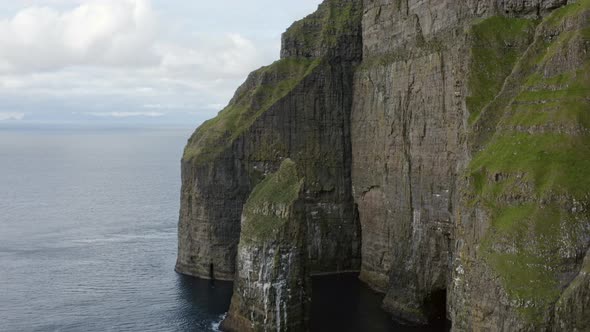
11	116
127	114
215	106
117	33
100	33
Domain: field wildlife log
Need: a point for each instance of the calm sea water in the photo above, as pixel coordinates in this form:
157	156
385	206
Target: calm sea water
88	240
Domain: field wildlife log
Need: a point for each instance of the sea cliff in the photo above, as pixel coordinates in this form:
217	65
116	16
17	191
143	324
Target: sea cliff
439	148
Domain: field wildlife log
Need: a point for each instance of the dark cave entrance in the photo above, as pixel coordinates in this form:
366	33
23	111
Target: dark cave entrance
436	306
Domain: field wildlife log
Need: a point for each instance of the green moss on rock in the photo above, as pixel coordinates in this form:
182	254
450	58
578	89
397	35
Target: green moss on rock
526	247
270	205
536	165
497	43
321	30
549	163
263	89
556	101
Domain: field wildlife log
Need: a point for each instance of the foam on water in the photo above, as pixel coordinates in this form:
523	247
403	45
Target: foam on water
215	324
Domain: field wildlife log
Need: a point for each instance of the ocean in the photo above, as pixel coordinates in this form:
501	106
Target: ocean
88	222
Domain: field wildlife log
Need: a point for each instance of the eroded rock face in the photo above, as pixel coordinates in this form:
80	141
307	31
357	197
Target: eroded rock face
272	290
407	121
406	130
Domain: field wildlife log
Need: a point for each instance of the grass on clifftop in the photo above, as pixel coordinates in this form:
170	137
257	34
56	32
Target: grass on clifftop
270	204
262	90
535	167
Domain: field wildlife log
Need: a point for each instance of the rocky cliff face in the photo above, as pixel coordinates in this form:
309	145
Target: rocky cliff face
407	119
297	107
447	139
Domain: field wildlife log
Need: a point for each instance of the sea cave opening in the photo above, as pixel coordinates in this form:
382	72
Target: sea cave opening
436	305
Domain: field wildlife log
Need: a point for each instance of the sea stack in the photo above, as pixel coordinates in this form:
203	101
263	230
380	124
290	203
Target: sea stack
272	289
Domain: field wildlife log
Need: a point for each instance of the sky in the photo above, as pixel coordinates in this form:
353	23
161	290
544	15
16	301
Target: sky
133	61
